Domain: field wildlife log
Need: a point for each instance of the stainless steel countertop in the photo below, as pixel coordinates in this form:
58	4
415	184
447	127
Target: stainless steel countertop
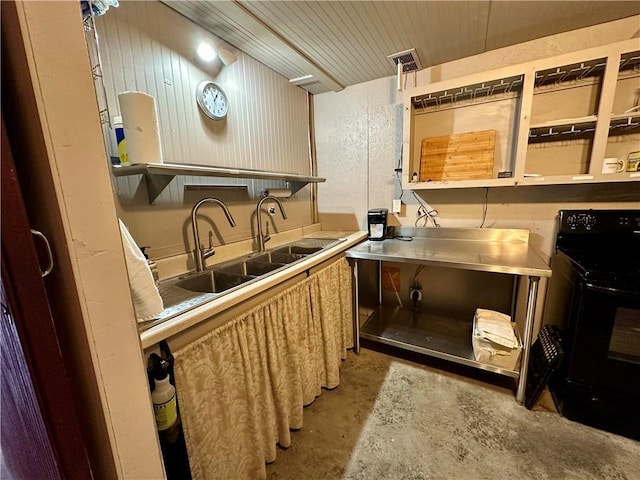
488	250
205	306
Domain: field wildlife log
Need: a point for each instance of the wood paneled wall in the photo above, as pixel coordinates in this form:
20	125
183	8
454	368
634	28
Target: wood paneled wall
146	46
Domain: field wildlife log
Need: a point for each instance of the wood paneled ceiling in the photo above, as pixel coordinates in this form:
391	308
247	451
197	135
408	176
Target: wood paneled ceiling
345	43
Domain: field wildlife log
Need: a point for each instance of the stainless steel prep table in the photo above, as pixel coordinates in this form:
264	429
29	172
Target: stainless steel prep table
499	251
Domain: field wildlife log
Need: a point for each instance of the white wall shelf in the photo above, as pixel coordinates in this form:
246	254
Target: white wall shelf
159	175
624	123
556	119
562	129
487	89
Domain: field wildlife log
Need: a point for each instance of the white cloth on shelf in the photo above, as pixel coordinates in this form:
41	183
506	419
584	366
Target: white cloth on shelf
496	327
146	297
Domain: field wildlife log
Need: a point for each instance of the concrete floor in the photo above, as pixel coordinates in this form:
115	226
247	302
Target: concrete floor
396	419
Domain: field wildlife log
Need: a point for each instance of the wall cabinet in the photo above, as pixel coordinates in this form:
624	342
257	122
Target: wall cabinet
574	118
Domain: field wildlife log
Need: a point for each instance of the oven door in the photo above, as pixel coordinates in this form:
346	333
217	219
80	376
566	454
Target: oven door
606	343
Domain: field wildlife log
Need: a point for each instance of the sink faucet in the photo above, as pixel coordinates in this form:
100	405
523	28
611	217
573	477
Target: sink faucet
201	254
262	239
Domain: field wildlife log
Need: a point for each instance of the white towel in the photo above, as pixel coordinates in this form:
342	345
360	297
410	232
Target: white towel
496	327
146	297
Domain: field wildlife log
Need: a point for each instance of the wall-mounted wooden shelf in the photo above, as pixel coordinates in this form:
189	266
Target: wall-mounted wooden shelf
566	73
556	120
470	93
562	129
159	175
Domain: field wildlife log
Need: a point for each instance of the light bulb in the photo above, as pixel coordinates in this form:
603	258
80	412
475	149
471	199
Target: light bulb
206	51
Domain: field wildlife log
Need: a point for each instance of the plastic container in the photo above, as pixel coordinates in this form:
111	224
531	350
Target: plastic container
120	141
164	398
633	162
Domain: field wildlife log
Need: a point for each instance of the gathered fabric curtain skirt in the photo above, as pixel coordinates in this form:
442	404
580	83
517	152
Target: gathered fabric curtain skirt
242	387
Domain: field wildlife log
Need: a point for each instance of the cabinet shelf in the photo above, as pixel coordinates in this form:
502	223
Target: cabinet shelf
630	61
564	107
566	73
506	181
159	175
470	93
563	129
624	123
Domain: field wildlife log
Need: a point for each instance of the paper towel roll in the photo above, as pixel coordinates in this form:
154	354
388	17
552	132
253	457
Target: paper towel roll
141	127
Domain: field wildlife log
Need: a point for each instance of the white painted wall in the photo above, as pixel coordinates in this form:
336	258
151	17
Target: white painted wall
359	133
146	46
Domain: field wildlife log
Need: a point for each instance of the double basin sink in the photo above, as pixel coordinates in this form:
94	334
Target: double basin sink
185	291
225	276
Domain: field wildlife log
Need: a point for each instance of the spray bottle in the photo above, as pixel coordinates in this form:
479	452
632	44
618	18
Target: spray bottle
164	398
166	409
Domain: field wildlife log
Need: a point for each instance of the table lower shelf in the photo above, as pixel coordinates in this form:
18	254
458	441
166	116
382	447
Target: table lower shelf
436	334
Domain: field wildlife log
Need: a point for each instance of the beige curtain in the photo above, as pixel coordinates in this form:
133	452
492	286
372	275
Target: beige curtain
242	387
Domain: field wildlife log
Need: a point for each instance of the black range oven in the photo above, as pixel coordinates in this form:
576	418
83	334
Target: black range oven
594	298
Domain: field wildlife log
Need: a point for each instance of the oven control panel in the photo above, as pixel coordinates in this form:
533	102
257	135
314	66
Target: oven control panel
599	221
578	222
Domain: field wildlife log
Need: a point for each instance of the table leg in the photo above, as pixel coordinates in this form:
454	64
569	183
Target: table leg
356	307
528	333
380	282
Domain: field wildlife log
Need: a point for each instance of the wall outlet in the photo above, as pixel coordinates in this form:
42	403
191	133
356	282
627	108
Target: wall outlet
415	293
397	206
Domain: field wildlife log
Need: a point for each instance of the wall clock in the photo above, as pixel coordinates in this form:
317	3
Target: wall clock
212	100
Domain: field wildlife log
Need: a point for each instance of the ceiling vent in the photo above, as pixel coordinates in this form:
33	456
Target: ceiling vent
408	58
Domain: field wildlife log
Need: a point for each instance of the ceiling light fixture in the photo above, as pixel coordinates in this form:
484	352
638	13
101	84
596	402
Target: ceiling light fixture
205	51
302	80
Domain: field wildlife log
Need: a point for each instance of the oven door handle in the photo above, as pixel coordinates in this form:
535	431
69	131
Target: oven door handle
612	290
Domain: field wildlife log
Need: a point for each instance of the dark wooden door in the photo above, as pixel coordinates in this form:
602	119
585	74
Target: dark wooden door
40	428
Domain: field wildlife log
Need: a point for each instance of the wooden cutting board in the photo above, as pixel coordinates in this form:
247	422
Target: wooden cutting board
461	156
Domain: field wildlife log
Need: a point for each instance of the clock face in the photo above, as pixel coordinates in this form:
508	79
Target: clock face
212	100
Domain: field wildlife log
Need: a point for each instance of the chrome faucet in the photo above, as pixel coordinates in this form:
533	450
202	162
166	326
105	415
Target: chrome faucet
201	254
262	239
